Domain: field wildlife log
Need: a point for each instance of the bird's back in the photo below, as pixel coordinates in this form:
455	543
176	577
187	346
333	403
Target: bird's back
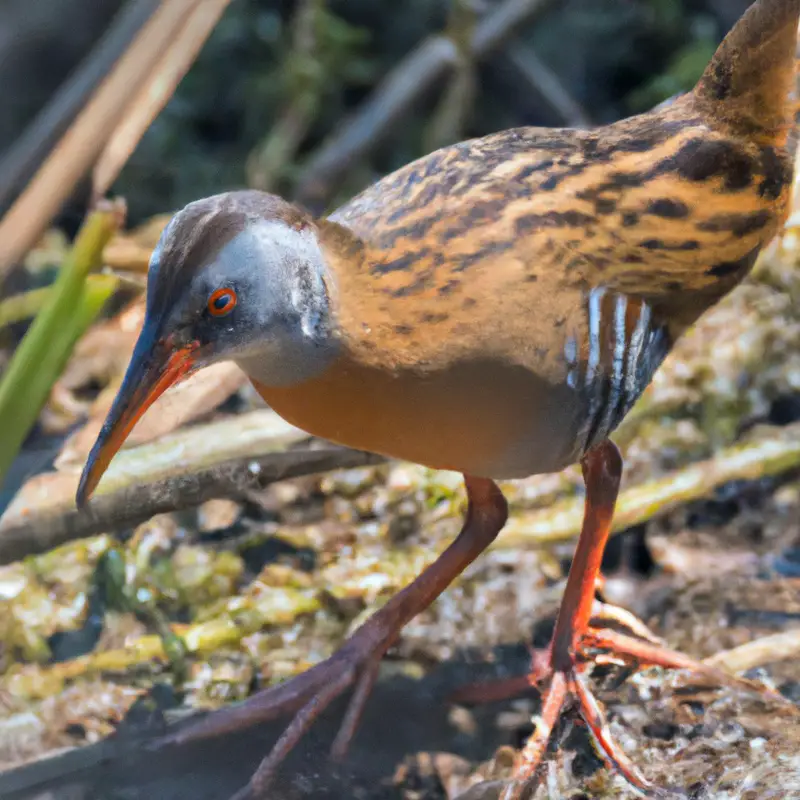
555	267
664	206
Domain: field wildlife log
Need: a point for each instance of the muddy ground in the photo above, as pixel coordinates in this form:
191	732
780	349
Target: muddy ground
707	577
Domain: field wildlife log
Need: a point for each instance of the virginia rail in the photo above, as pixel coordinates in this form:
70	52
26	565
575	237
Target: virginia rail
494	308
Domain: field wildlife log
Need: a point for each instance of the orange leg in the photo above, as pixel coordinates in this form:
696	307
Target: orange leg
560	670
560	674
356	663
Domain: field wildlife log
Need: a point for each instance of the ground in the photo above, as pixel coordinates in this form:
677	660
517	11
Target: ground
711	741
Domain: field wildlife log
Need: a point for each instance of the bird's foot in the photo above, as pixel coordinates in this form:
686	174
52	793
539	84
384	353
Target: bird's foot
566	688
355	666
564	684
508	688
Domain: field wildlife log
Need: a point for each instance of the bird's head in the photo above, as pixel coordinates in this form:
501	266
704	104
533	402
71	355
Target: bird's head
239	276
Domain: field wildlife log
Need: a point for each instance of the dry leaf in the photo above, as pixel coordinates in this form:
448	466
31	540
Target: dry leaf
99	358
131	250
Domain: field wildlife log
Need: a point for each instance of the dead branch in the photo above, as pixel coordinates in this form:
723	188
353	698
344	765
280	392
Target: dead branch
129	507
548	86
229	458
267	163
156	91
449	118
364	130
773	455
758	653
32	147
80	146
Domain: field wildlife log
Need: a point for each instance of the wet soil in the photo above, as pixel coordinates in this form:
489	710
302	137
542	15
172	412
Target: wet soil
690	737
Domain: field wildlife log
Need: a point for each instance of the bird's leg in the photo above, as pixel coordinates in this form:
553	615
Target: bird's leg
560	670
560	673
356	662
602	473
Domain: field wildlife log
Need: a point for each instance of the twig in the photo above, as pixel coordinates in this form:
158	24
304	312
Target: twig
36	141
359	134
236	456
766	650
364	130
548	85
77	150
451	114
269	159
229	459
771	455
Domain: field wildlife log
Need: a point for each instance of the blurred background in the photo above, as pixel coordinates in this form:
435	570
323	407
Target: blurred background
299	70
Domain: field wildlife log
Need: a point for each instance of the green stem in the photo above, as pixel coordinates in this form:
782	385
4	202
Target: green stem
26	305
69	309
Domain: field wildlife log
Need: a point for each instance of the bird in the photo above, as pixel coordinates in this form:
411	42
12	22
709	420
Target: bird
495	308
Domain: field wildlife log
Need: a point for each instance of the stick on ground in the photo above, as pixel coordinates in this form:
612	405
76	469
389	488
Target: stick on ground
229	459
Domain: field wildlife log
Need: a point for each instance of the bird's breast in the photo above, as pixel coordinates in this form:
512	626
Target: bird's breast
481	416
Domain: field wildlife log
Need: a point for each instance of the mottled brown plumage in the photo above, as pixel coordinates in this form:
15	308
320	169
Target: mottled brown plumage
495	308
499	239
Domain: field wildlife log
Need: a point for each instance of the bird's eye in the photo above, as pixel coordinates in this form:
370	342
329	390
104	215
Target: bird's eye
221	302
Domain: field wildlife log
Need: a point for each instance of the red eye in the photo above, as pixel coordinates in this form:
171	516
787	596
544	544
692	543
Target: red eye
222	302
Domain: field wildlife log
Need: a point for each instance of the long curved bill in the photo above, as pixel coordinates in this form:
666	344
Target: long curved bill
153	369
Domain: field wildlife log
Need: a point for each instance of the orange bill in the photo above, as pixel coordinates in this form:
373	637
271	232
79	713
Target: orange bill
152	370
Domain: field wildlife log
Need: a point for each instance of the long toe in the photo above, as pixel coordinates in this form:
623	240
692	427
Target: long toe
529	760
570	689
613	755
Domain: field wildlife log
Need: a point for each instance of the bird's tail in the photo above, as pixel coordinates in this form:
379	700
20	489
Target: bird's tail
747	86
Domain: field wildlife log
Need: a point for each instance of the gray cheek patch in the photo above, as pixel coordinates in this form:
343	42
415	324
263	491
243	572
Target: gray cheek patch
281	333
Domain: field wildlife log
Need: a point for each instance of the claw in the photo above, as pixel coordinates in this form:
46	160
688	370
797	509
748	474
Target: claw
302	721
606	747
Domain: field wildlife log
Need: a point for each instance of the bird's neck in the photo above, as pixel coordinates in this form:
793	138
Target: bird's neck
290	362
299	343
